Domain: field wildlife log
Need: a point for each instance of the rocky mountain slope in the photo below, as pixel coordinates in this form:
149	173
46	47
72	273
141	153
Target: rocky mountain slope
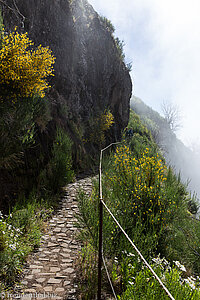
89	74
90	79
180	157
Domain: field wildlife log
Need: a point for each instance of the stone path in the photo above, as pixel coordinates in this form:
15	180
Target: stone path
51	270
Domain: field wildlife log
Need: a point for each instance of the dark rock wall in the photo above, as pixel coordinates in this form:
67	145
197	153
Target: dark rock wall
89	74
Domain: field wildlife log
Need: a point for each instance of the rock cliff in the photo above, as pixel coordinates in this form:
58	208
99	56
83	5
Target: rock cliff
89	74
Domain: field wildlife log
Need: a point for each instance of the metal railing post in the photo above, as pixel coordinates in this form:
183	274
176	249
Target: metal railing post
100	231
100	259
100	248
101	222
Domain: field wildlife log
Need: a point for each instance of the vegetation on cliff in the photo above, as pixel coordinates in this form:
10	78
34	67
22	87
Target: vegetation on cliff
119	44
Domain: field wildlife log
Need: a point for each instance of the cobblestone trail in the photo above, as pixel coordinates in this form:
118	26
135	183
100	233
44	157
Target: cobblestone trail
50	273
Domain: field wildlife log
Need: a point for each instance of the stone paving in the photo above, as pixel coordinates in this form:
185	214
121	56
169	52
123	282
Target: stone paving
50	273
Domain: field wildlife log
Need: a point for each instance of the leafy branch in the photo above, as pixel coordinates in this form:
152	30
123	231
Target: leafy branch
15	10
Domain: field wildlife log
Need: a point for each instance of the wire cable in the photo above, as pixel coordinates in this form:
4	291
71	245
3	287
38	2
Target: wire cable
139	253
108	275
126	235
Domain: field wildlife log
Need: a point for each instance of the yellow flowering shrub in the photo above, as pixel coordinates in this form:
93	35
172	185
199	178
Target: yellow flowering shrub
23	68
106	120
101	124
141	183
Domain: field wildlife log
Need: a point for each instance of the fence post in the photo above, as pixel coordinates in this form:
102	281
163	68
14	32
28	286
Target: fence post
101	204
100	248
101	222
100	230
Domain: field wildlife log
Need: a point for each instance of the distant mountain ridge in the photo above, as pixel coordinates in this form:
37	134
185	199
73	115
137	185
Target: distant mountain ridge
182	158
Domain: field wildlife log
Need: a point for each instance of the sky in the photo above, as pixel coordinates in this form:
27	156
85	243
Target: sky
162	41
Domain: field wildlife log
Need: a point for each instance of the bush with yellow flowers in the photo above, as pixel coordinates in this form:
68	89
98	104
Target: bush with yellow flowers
23	80
23	67
150	202
99	126
143	182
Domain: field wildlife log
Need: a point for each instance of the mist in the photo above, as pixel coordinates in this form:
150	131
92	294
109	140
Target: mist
184	161
162	40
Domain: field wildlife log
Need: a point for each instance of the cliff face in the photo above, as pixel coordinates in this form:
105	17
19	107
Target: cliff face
89	74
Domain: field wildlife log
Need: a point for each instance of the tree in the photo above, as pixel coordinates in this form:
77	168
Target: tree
172	115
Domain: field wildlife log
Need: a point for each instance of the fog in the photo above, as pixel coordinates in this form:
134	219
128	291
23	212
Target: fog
184	161
162	40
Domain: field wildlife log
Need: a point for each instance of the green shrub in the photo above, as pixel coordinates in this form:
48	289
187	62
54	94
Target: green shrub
88	219
87	265
137	126
59	169
120	48
97	128
20	233
129	66
18	129
142	285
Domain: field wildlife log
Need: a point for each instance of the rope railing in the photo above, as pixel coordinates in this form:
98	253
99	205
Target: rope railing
109	279
101	222
101	258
